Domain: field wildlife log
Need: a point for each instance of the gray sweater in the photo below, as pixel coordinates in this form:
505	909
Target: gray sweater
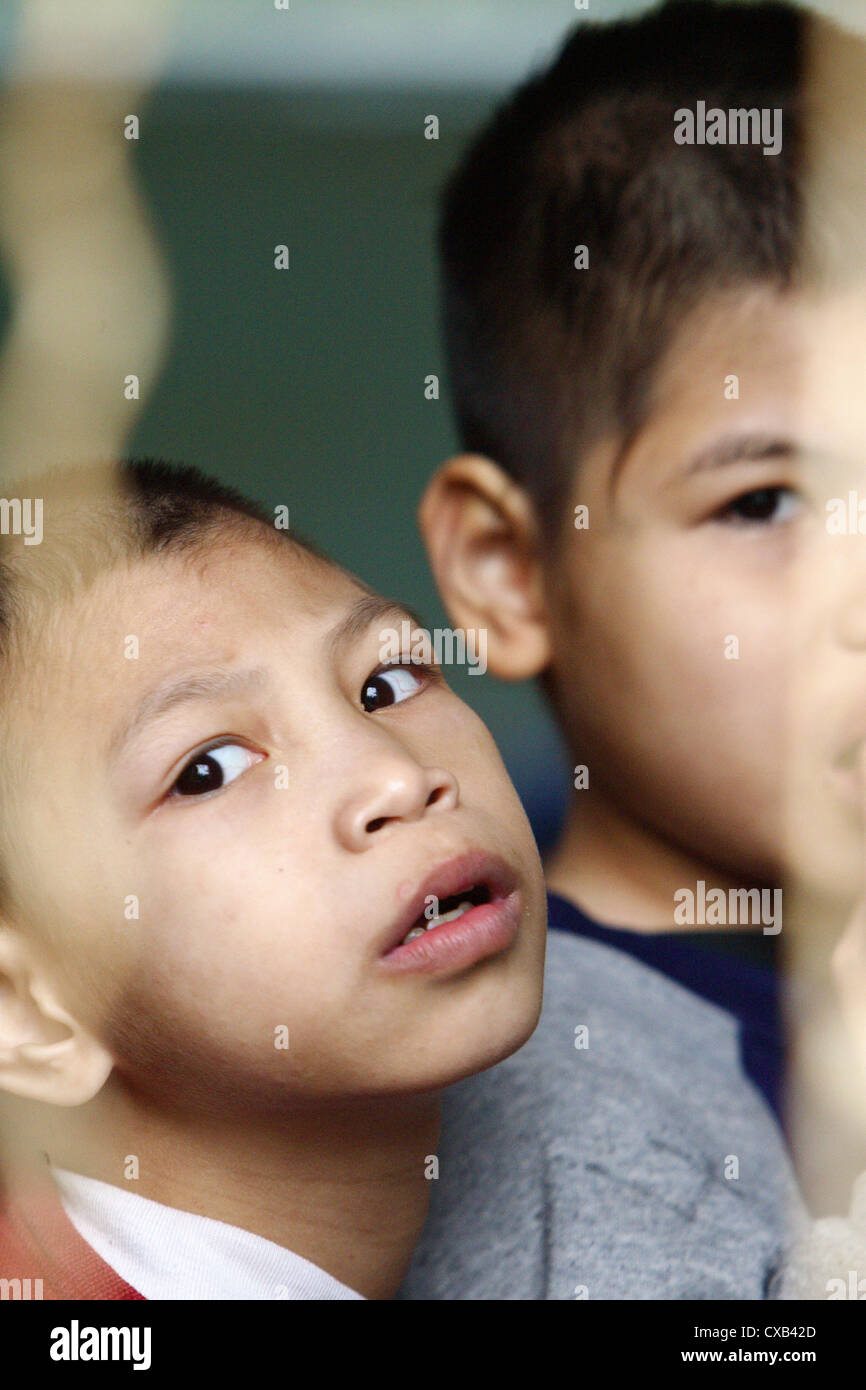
630	1159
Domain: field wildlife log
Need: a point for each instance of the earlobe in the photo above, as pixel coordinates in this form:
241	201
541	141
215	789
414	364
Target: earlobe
481	535
45	1054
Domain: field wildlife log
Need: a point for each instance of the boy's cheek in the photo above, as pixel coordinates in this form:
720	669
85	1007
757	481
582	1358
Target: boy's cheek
228	1029
229	1012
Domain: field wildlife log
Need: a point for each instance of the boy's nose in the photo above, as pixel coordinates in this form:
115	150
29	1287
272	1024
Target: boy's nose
400	793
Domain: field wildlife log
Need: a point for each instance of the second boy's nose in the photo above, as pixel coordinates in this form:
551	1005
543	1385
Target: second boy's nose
401	791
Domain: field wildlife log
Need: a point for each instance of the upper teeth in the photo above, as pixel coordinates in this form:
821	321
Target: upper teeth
437	921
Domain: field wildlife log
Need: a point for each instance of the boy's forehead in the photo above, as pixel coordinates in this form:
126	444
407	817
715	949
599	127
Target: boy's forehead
764	337
753	367
175	597
757	335
163	613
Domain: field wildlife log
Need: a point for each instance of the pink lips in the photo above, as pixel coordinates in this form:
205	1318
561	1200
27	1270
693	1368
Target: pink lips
484	930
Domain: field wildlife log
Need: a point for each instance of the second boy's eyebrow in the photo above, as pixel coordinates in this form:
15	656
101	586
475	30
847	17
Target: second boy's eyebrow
212	685
731	448
742	448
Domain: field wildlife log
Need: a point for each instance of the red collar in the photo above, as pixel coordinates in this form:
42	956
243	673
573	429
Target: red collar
39	1244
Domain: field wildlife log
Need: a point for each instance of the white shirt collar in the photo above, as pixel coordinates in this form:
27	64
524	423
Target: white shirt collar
169	1254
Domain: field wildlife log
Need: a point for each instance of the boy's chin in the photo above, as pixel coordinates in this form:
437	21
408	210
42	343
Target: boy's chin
487	1050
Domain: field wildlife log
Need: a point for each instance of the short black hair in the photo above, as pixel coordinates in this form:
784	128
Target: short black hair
547	359
170	502
135	506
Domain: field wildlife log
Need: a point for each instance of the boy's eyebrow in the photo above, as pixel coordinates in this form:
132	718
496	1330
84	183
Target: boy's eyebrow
206	685
215	684
747	448
730	448
370	608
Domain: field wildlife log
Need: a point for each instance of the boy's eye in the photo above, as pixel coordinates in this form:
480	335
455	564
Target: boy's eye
393	684
763	504
212	769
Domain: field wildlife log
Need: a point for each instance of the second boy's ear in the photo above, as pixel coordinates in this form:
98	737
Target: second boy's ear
481	536
45	1054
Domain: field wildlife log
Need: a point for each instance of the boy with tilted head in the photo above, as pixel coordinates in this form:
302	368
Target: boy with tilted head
263	896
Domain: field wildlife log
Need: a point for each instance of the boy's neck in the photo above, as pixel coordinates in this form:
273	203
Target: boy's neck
342	1185
623	875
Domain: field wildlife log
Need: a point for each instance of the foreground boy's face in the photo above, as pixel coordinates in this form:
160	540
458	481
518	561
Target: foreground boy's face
696	609
271	875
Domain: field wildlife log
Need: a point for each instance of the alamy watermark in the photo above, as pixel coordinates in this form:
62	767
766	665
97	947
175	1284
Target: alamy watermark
23	1289
22	516
738	907
846	516
854	1287
737	126
77	1343
446	646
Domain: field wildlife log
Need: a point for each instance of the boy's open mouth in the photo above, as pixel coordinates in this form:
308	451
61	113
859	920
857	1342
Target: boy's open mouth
449	910
470	880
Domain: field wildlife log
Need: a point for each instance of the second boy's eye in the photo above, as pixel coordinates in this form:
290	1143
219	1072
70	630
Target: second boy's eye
212	769
762	505
391	685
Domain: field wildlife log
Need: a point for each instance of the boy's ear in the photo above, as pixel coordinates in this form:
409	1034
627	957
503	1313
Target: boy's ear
45	1054
482	538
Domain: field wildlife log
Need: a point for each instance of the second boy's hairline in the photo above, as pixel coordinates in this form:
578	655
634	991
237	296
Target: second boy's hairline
753	441
548	469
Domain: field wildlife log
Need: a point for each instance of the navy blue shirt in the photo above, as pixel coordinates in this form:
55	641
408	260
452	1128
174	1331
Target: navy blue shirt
734	970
